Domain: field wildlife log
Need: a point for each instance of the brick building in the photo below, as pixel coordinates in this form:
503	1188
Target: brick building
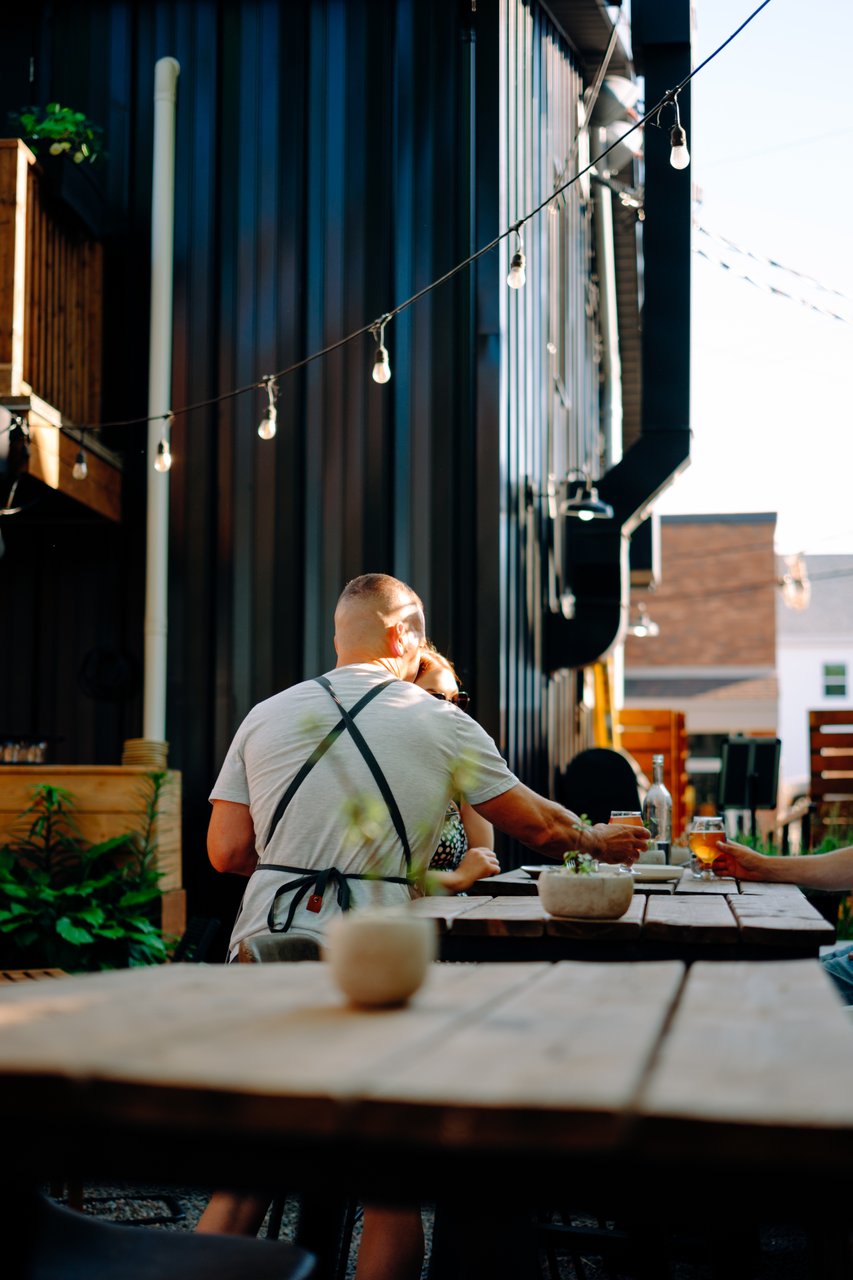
714	656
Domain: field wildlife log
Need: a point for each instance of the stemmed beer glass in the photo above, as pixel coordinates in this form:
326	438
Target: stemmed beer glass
705	835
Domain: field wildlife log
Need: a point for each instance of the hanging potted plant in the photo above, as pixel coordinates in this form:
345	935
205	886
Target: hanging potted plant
68	144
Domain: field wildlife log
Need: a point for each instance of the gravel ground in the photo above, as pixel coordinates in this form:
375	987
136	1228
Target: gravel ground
784	1253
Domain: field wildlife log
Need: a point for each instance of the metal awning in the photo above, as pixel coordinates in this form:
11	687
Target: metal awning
587	26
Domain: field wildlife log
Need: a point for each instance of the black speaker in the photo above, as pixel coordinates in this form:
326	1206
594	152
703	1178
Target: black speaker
749	778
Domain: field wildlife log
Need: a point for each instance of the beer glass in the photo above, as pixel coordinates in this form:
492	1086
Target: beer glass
626	818
705	836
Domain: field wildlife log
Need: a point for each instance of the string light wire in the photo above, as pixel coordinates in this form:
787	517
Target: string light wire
669	97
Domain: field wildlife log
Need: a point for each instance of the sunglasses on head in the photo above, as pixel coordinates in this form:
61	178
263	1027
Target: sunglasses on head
460	700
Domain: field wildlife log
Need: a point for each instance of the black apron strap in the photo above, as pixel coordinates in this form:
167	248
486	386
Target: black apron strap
373	765
317	755
315	879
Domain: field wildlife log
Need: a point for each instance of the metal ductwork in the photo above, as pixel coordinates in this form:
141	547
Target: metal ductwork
595	555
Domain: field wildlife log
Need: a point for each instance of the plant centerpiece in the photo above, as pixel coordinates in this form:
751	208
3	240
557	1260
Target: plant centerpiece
583	888
71	905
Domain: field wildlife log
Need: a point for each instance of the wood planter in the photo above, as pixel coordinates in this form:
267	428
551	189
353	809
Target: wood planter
109	800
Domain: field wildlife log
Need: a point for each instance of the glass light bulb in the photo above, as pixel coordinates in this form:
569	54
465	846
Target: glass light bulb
679	156
267	426
585	515
80	469
381	366
163	461
517	277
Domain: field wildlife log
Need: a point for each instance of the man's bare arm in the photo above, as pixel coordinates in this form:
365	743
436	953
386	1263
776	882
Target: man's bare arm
231	838
548	828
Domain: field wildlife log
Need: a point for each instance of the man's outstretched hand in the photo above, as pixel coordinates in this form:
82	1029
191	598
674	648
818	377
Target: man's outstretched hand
612	842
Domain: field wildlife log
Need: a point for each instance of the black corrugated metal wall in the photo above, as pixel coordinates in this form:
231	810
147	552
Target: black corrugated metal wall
333	158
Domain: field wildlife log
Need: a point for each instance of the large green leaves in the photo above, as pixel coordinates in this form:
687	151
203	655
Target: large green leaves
68	904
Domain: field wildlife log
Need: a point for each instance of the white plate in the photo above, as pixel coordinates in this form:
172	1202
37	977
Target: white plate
535	872
650	871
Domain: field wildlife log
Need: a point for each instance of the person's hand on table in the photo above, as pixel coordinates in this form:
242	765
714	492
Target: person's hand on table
613	842
476	864
742	862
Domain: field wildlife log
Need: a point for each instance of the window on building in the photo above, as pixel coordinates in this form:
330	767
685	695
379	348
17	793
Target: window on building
835	679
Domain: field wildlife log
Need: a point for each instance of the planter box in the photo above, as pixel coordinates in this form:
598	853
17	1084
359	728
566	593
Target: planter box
109	800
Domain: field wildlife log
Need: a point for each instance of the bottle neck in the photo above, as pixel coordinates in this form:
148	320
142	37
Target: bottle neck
657	769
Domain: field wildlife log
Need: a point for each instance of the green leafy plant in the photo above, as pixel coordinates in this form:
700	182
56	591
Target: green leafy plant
580	864
71	905
56	130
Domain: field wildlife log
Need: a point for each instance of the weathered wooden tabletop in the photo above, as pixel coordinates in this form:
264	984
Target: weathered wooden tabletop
693	920
202	1068
499	1087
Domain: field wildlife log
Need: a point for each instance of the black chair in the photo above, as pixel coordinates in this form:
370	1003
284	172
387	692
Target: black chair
50	1242
597	781
276	948
196	940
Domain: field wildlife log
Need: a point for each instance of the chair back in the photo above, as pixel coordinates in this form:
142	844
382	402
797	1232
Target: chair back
597	781
273	948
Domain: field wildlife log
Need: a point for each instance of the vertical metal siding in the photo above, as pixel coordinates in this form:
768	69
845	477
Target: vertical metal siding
333	158
541	90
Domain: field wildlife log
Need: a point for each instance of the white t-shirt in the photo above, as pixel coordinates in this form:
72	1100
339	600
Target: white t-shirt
427	750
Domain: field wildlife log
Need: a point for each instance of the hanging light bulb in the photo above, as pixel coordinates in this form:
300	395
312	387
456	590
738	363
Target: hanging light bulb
163	461
268	424
679	156
381	363
796	588
80	469
568	604
517	277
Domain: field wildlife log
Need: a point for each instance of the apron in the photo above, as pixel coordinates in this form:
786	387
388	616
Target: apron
315	880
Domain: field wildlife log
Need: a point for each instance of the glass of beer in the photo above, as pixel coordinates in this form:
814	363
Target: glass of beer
626	818
705	837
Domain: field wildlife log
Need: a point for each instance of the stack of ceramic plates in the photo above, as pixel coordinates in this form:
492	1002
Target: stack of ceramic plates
145	753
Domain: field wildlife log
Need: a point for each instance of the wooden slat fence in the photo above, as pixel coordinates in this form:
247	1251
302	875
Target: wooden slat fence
831	751
646	733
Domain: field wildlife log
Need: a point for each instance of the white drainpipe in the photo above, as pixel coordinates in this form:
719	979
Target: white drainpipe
611	404
166	74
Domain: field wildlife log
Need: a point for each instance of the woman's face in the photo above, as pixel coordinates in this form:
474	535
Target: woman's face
438	679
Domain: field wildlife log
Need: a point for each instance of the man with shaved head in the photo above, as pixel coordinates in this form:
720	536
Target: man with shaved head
282	805
283	815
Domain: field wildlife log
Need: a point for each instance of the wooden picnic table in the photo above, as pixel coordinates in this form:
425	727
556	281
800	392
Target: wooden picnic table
691	920
498	1087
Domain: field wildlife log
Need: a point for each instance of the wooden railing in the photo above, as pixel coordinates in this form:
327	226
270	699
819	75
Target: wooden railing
51	329
51	295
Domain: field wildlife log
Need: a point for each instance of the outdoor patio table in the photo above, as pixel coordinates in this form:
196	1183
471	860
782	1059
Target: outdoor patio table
624	1081
700	920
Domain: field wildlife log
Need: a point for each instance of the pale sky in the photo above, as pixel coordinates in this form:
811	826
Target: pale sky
771	143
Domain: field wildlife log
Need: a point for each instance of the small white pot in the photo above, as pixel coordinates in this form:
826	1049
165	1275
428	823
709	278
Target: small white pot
600	896
380	956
